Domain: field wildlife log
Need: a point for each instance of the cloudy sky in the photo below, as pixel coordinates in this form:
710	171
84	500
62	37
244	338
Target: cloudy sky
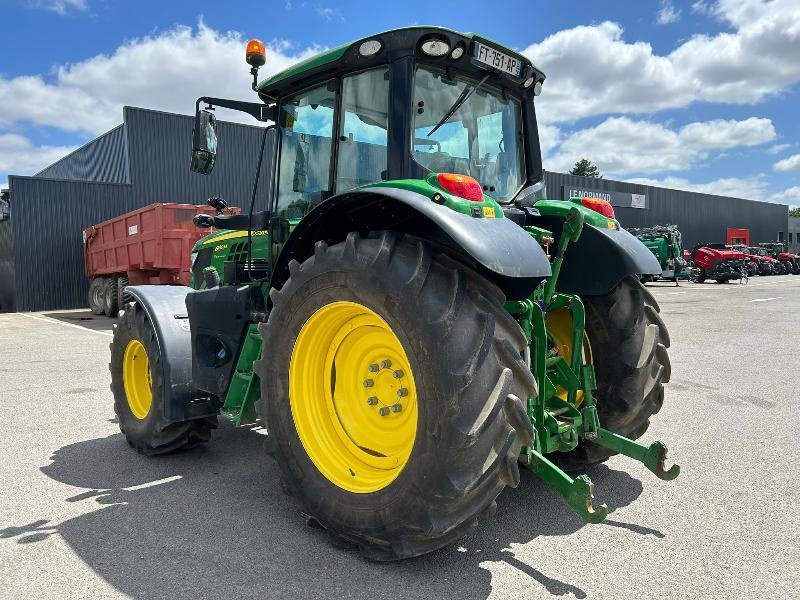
700	95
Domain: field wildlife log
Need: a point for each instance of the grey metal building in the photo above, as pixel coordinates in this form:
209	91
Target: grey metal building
701	218
794	234
146	160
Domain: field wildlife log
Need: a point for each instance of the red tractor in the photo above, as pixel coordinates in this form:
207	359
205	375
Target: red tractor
773	264
756	263
790	262
718	262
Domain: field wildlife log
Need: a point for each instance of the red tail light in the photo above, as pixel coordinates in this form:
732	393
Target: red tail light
599	205
462	186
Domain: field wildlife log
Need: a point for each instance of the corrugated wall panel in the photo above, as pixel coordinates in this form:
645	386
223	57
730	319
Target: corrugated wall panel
702	218
7	286
160	153
103	159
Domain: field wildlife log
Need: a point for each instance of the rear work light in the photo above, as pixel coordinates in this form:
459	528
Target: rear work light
462	186
599	205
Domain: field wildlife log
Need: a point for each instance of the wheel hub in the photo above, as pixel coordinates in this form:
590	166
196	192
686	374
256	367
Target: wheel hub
136	379
353	397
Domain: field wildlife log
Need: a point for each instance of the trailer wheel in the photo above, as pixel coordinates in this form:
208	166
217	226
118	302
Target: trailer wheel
629	344
97	300
392	389
137	381
110	302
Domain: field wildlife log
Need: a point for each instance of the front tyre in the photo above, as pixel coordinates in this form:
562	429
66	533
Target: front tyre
137	382
394	392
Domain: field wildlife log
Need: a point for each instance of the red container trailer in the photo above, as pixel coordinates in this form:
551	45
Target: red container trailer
151	245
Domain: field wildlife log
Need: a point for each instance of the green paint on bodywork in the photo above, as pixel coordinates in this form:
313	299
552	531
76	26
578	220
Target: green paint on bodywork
560	208
315	61
430	188
244	388
227	245
329	57
559	423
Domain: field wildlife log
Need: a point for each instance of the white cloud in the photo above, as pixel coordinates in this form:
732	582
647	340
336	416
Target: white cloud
668	13
752	188
620	145
792	163
778	148
59	6
789	196
720	134
593	70
329	14
167	71
549	138
19	156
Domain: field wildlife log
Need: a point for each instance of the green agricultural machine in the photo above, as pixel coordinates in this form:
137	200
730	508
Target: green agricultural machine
664	241
411	320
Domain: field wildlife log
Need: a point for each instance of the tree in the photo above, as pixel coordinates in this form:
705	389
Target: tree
794	212
586	168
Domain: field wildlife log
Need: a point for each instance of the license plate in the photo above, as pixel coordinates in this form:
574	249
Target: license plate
499	60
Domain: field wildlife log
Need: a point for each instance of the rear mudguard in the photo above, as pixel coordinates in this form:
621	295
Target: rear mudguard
496	247
600	259
165	307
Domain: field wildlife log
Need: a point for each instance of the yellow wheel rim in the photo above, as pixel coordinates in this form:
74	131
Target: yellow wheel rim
559	330
136	379
352	397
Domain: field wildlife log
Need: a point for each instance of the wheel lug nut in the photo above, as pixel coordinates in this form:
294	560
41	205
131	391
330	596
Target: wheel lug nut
397	374
372	400
402	392
384	411
373	368
368	383
386	364
397	407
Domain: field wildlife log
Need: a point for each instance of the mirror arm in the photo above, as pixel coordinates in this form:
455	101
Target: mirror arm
262	112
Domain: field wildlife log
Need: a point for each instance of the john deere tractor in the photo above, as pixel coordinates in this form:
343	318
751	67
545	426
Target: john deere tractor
411	320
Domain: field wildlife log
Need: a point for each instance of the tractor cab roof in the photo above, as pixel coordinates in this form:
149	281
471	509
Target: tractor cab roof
385	47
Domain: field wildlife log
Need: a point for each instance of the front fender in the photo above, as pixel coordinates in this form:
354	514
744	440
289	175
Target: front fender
165	307
497	247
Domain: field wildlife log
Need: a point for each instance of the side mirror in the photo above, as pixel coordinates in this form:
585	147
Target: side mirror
204	142
203	221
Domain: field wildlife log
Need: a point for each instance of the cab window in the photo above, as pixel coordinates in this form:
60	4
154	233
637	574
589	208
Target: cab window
363	137
305	122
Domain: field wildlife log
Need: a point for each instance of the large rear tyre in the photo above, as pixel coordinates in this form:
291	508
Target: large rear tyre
137	381
629	344
97	301
370	323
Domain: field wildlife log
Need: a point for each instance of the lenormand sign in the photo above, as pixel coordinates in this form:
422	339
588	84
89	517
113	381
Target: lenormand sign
621	199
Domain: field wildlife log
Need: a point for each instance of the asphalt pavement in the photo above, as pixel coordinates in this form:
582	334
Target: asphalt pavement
82	515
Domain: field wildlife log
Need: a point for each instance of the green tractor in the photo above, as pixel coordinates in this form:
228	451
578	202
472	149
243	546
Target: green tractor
664	241
411	320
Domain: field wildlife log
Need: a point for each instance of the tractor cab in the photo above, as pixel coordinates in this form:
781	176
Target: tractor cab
394	106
